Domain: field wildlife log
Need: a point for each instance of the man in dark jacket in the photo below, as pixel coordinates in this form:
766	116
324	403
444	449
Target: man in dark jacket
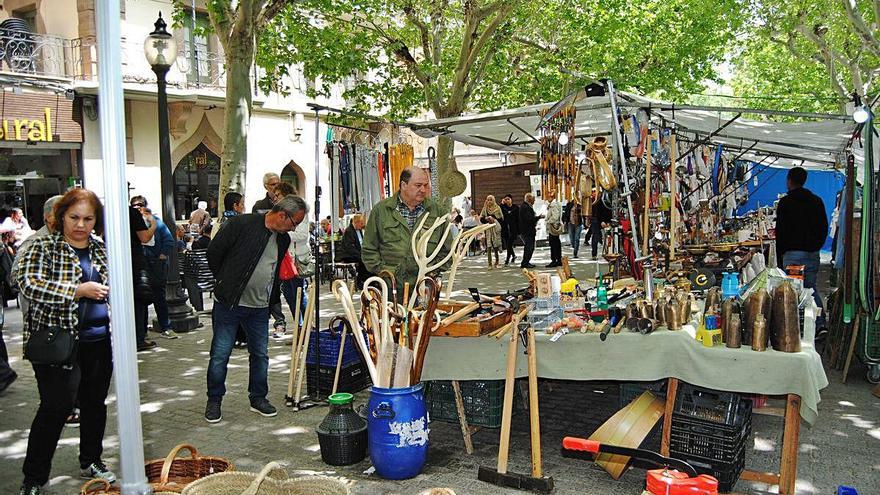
801	229
349	250
245	257
599	219
510	227
156	253
270	182
527	229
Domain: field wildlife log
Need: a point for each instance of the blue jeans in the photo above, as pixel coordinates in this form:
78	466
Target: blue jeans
810	260
574	236
157	270
288	289
226	321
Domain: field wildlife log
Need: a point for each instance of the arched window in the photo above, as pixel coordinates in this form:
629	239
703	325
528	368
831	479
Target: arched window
293	175
196	178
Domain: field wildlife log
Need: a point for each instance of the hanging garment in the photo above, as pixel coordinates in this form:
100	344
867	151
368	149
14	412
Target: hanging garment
345	175
383	185
435	176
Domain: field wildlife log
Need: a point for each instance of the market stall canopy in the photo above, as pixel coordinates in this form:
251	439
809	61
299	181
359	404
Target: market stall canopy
819	143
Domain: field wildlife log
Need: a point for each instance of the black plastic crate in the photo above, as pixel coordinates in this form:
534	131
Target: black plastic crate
727	473
483	401
630	391
707	404
711	440
330	349
352	378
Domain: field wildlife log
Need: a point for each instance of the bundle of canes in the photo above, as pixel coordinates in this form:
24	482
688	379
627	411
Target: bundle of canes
341	293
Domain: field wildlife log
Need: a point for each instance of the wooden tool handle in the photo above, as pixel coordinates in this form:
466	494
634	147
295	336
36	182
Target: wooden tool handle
458	315
534	418
507	407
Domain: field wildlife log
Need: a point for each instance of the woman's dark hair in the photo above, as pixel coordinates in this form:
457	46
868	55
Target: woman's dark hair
285	189
230	200
73	197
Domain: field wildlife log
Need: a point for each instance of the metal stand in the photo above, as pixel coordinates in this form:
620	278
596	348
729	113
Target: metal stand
615	127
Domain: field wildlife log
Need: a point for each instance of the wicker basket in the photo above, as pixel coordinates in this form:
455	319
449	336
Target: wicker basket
104	487
173	475
271	480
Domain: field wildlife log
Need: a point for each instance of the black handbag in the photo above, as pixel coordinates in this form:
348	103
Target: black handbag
52	345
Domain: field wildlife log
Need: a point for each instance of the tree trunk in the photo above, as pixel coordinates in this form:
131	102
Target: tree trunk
446	155
237	115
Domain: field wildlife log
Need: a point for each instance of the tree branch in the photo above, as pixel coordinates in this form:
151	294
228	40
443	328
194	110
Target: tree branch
221	16
551	48
270	11
409	10
860	27
502	14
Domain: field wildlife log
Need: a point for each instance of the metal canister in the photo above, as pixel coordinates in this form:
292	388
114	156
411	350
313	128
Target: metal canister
673	319
785	332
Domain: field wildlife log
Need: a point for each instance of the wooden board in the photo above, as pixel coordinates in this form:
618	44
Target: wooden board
470	328
499	181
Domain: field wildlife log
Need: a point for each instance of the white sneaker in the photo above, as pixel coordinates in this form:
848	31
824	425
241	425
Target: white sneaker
97	470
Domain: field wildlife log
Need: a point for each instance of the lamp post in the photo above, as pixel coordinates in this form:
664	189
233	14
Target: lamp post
160	48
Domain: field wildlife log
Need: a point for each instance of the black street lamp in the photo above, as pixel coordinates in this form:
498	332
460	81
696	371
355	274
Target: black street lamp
160	48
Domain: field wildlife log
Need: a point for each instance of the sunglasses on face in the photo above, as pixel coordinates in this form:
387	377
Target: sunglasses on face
138	205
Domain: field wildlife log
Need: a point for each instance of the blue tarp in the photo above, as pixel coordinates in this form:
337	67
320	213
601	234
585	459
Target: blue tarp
770	184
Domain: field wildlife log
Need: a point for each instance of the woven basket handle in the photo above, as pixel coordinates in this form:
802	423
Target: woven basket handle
267	471
88	486
166	466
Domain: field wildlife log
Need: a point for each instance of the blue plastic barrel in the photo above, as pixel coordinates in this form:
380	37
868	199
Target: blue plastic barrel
397	429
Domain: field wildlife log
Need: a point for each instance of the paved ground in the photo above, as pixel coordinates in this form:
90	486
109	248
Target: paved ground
842	448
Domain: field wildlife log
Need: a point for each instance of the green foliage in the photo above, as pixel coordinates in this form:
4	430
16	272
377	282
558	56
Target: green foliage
665	47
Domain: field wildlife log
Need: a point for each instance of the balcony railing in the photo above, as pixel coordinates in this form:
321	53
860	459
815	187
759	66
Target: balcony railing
23	53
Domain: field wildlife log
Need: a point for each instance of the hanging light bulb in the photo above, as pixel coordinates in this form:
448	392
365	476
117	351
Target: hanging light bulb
563	138
861	115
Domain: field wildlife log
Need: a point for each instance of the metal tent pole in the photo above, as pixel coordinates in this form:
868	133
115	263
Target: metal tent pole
131	449
615	126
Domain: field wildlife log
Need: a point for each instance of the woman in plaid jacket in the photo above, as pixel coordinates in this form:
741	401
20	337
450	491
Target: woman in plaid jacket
64	276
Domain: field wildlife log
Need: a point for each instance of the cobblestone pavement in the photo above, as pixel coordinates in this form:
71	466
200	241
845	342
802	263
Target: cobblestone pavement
842	448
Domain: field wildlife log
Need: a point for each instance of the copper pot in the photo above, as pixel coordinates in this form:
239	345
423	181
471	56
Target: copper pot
713	298
660	311
673	319
757	303
732	332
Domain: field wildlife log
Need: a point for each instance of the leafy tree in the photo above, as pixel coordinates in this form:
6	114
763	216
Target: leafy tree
453	56
237	24
829	49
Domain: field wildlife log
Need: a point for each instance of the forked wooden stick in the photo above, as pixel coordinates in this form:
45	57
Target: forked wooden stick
460	250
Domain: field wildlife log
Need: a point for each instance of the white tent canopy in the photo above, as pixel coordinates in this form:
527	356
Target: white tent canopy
817	144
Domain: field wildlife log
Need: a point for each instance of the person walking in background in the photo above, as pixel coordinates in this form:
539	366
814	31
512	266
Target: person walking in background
554	229
199	218
18	225
141	233
245	257
270	182
801	230
575	225
492	214
600	218
528	223
233	205
510	227
349	250
64	276
156	253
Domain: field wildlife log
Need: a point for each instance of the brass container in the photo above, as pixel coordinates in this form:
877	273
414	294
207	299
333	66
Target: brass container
684	306
632	311
673	319
732	332
646	310
757	303
759	333
660	310
785	332
647	325
713	297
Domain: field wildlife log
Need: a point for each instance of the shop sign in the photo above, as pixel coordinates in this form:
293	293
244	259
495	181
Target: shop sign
38	129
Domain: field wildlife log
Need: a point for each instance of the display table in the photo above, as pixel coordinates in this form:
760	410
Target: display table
662	354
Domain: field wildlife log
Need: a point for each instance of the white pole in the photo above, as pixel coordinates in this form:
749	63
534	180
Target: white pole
111	112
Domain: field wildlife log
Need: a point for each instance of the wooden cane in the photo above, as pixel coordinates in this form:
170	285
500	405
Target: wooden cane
298	301
339	360
507	407
534	418
305	334
298	344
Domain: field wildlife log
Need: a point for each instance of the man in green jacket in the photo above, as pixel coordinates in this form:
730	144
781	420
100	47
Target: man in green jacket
387	241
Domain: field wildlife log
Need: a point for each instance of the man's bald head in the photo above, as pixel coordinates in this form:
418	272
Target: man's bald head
529	198
415	186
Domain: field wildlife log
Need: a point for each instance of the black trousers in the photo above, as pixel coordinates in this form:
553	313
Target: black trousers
509	242
555	248
528	248
594	235
89	381
5	369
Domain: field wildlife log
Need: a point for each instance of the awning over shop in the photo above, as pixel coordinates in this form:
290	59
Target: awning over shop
818	143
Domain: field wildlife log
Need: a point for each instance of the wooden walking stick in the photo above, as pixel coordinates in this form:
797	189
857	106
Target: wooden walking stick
341	350
288	399
304	335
